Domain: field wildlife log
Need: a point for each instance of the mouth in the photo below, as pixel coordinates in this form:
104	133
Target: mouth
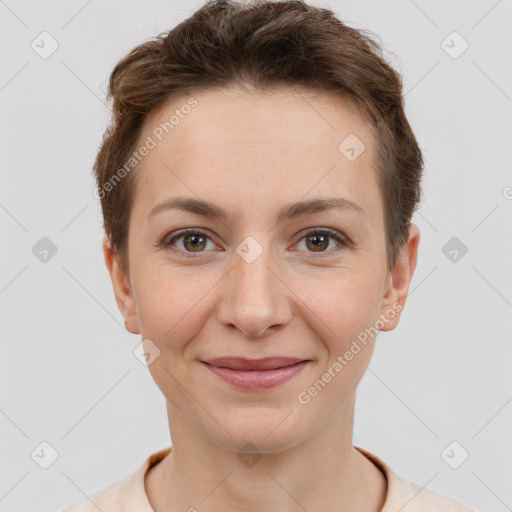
262	373
243	364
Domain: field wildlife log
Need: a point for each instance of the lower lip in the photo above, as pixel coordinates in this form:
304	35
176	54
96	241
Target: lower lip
257	379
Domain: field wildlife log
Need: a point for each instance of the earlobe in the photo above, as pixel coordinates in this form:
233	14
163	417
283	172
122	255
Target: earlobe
122	288
399	280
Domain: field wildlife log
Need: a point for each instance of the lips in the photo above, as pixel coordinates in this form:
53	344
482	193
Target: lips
256	374
243	364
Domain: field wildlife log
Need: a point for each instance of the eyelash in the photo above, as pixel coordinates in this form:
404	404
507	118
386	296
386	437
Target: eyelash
343	242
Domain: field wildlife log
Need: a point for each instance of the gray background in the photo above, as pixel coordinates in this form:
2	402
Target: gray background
68	375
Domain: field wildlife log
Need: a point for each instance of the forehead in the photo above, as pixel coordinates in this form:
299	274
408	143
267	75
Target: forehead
265	147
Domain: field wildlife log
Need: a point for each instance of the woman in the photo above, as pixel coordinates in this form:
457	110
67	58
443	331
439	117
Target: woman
257	185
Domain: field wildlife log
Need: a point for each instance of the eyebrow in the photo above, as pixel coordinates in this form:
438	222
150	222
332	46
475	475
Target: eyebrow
207	209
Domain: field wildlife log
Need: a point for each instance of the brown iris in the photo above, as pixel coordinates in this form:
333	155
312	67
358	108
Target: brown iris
318	246
198	241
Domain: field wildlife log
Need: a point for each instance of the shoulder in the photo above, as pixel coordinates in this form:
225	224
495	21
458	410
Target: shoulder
127	494
413	498
410	497
108	499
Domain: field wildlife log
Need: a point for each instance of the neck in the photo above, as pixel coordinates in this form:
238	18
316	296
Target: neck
311	475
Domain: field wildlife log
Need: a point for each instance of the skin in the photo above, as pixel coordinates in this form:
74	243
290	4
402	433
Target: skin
253	153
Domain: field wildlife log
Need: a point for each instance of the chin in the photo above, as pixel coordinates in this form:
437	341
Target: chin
261	430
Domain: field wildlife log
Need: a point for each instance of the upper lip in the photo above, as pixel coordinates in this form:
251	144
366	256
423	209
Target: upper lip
242	363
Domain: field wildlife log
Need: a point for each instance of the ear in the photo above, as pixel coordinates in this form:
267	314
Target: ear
398	281
122	288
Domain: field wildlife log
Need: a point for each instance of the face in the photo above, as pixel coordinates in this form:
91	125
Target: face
285	256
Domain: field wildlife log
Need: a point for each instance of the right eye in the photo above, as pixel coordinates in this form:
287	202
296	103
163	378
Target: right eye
193	241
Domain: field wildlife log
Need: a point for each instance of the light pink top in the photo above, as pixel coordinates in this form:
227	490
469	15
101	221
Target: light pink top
129	494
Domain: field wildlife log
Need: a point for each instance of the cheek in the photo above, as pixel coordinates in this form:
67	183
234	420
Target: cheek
171	305
345	302
172	308
343	313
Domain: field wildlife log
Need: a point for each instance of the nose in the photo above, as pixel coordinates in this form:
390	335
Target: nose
254	297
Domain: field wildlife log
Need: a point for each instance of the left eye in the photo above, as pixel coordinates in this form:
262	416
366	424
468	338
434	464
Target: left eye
318	239
194	241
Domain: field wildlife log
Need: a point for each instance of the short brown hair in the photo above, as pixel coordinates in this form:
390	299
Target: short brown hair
264	44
